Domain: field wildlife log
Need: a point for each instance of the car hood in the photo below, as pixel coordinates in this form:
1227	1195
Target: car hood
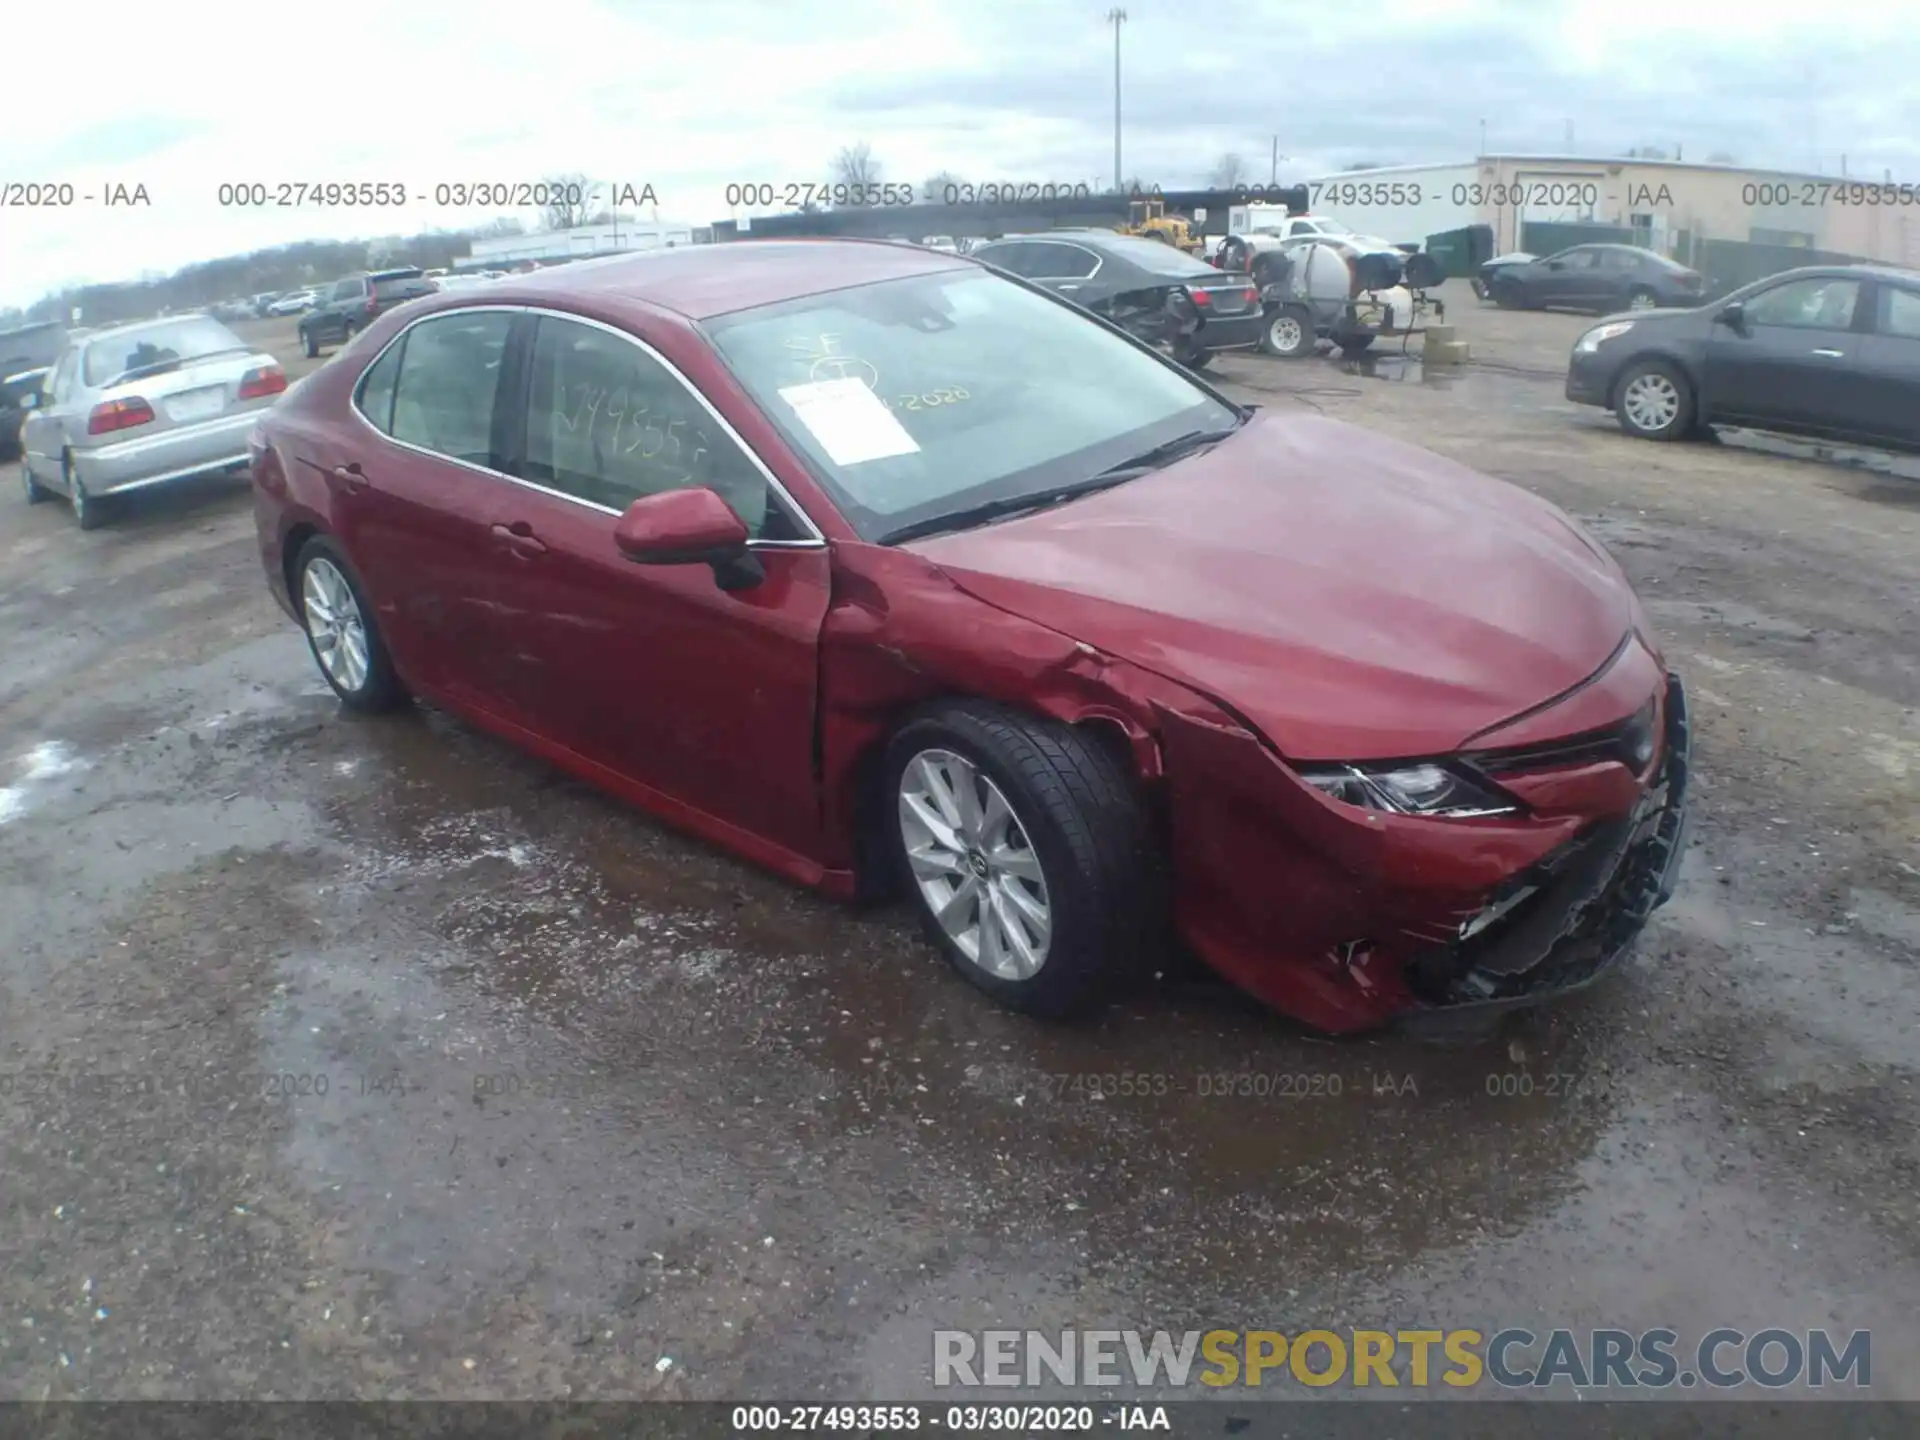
1658	312
1353	596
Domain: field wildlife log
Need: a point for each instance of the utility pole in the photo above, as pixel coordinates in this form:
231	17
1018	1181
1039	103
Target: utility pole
1116	17
1483	138
1273	175
1569	137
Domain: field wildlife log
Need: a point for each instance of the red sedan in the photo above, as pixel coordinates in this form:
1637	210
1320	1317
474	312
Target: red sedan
892	573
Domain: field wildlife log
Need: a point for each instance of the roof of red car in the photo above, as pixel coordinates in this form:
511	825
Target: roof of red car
700	281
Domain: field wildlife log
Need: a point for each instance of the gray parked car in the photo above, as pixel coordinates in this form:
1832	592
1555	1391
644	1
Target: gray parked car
140	405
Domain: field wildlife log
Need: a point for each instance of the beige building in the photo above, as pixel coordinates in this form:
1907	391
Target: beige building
1673	205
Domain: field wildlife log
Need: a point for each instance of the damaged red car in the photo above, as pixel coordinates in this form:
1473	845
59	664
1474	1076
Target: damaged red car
899	576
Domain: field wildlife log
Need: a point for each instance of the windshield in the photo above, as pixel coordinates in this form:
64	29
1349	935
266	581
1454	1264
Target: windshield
928	396
154	346
1334	227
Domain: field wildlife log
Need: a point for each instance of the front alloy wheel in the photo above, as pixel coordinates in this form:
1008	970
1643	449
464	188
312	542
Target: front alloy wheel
974	865
1026	848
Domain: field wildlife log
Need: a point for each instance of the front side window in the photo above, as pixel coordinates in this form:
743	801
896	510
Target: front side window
449	377
1813	304
915	398
609	424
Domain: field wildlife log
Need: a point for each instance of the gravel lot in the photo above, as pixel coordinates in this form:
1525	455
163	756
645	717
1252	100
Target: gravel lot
596	1096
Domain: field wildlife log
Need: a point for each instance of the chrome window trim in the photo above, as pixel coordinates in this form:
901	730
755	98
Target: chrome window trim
1099	260
815	540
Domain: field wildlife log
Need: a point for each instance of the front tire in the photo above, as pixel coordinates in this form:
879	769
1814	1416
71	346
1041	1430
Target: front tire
1355	344
1289	333
312	344
1508	295
1654	402
341	632
1025	847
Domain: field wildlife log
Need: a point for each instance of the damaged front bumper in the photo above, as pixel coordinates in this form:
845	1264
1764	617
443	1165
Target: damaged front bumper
1561	925
1350	920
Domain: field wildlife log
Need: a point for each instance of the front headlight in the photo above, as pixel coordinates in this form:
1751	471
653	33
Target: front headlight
1433	790
1594	338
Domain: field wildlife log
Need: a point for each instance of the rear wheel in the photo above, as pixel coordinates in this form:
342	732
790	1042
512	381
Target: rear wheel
36	492
1197	359
1289	333
1024	845
312	344
1654	402
89	513
341	632
1354	344
1641	298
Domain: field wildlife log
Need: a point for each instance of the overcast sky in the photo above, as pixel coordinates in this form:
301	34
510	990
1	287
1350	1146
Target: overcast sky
690	94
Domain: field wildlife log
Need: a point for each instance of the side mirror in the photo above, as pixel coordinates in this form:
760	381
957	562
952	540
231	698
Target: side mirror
689	527
1733	316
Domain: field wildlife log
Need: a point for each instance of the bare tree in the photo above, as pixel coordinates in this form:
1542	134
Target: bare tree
502	226
934	188
855	167
1721	157
1369	165
570	201
1228	171
1646	152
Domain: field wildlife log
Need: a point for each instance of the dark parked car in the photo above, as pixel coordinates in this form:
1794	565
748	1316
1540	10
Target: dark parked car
349	305
1600	278
1156	293
14	406
1830	352
29	347
879	568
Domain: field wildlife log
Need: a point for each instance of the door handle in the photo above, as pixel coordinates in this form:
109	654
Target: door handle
1832	354
519	538
350	475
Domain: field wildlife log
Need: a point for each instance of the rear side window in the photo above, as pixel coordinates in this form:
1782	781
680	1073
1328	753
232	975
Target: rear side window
1900	312
349	289
449	377
375	398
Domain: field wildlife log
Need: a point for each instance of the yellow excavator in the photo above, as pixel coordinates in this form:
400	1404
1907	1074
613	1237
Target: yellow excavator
1149	217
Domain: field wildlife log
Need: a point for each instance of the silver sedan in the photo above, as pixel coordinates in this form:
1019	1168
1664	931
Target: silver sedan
144	404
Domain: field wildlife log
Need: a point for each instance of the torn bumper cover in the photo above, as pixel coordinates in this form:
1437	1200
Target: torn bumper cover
1563	923
1350	920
